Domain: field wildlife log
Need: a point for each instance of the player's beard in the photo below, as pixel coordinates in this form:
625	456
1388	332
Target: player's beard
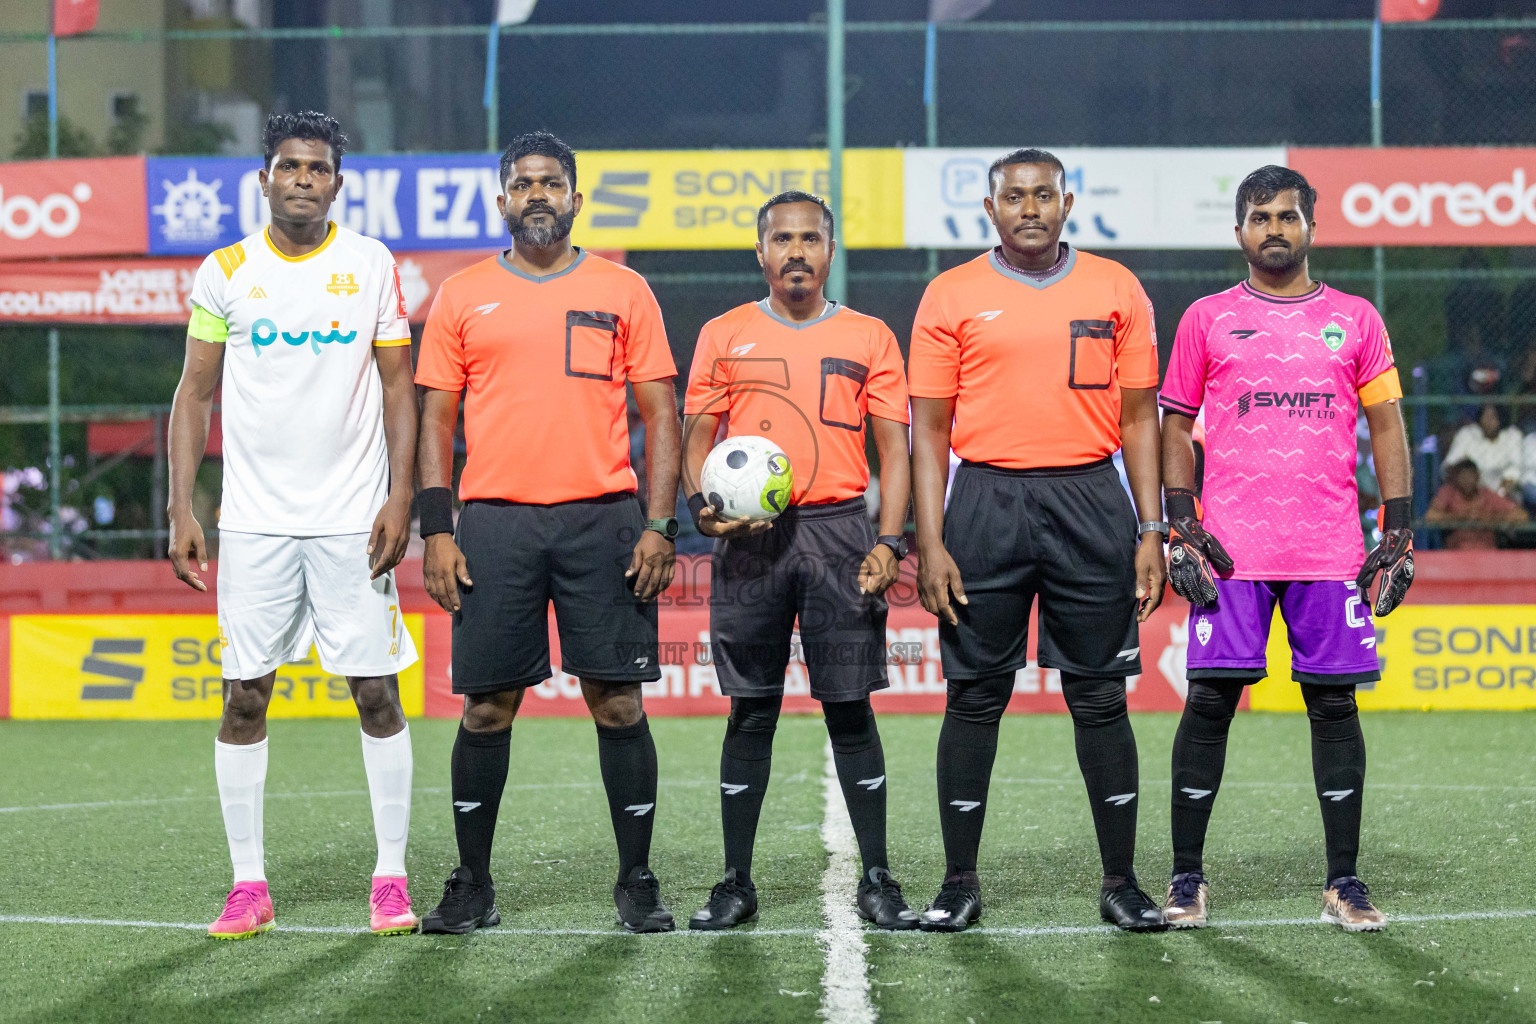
539	237
1277	261
799	292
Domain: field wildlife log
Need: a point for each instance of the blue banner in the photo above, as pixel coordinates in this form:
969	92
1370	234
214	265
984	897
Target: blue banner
442	201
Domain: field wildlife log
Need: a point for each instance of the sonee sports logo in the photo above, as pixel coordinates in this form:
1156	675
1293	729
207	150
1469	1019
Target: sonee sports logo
124	678
1298	404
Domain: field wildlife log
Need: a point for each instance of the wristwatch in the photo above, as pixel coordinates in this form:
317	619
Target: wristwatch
1152	526
896	542
666	527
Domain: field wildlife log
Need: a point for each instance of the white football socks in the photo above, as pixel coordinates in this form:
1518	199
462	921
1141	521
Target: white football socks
387	761
241	770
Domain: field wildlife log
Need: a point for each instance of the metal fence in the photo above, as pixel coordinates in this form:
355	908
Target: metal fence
1454	313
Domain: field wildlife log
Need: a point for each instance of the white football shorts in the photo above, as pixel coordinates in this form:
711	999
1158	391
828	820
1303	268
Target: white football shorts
279	595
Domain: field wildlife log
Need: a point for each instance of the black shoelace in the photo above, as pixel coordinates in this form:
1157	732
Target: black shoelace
1354	892
724	890
1186	888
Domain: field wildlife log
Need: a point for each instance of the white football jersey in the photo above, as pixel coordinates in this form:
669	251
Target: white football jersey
303	406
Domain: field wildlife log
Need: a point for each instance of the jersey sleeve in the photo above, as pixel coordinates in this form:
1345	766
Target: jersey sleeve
647	356
703	387
1375	375
887	386
933	369
1184	385
1136	340
394	326
441	364
209	313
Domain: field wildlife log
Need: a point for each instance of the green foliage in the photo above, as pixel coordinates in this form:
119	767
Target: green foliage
31	143
199	138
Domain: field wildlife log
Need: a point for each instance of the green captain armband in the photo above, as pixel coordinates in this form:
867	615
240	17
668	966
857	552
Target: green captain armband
204	326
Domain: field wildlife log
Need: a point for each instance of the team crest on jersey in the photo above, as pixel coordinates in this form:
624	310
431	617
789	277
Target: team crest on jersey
1203	631
1333	336
344	284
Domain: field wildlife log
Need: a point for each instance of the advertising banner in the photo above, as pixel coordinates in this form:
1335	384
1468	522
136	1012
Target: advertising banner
634	199
159	291
1122	198
1433	657
160	667
1404	196
72	208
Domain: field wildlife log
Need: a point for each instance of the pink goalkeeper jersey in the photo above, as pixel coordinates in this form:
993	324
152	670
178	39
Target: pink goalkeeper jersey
1282	381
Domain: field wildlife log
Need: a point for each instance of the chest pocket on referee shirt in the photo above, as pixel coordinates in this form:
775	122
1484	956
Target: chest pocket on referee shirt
842	384
591	339
1093	353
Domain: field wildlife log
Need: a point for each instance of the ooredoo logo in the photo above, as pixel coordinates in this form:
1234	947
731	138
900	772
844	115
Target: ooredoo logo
1404	204
55	215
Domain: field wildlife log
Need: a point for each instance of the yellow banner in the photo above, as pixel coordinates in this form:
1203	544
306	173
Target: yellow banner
1446	657
161	667
708	198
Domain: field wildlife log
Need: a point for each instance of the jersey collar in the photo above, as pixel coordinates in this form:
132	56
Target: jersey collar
831	311
1012	273
501	258
330	236
1283	300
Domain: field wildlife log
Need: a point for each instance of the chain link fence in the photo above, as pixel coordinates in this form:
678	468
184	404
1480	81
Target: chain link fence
1463	320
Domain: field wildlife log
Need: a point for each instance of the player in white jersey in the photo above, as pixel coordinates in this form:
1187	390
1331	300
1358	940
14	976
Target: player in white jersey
305	325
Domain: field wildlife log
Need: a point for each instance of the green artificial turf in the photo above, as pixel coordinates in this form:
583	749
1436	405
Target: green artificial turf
1450	802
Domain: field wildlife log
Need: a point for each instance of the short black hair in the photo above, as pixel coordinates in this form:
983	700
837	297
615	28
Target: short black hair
539	144
793	196
1264	184
305	124
1461	467
1024	156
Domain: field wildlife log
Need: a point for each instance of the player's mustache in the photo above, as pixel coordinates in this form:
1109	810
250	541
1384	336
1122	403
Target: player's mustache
1275	241
795	265
533	208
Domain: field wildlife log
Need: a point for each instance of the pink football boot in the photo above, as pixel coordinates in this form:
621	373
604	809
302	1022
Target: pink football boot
247	913
390	907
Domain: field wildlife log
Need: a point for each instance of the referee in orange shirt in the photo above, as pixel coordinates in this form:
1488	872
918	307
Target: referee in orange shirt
1036	362
541	340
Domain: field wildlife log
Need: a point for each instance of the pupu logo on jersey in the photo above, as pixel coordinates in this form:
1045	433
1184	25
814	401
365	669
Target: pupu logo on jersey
1333	336
264	332
193	210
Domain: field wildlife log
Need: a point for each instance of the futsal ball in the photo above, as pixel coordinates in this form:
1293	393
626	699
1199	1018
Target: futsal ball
748	477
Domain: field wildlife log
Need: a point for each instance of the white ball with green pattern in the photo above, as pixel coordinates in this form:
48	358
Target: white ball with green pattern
747	476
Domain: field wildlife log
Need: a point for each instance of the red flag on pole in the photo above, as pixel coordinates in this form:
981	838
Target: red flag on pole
1409	10
71	17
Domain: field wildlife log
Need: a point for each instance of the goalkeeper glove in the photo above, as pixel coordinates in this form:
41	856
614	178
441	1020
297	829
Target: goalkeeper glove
1191	551
1393	558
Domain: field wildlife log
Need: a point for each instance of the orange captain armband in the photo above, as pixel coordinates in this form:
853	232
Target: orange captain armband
1384	387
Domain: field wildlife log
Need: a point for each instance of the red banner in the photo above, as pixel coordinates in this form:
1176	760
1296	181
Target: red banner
1422	196
73	208
71	17
688	685
159	291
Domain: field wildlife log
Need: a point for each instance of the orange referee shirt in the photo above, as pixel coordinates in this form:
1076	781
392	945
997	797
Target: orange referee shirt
1035	367
542	362
805	386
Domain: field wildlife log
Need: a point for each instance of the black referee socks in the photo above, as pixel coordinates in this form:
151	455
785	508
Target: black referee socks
746	760
860	761
479	771
1106	754
967	749
627	757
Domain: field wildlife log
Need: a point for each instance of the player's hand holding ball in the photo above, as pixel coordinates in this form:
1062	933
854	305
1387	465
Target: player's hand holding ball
1191	551
746	484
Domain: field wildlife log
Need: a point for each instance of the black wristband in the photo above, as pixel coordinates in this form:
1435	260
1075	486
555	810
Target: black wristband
1396	514
435	507
1180	503
696	505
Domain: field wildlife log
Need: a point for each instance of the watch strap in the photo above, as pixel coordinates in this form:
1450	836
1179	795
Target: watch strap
1152	526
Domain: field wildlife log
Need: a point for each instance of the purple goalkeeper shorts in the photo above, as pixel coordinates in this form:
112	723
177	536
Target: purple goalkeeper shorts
1333	640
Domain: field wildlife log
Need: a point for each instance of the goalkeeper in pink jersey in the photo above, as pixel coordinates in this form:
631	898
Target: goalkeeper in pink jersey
1282	365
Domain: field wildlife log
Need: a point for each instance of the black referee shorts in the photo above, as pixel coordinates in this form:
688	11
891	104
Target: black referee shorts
807	566
521	557
1067	535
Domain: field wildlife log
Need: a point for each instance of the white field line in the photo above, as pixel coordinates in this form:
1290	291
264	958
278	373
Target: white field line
1042	931
309	795
845	979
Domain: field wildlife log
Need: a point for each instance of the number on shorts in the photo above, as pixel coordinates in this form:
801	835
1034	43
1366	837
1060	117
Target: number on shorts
1352	616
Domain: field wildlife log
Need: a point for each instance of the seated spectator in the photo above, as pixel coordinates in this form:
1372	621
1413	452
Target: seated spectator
1495	447
1463	499
1528	473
